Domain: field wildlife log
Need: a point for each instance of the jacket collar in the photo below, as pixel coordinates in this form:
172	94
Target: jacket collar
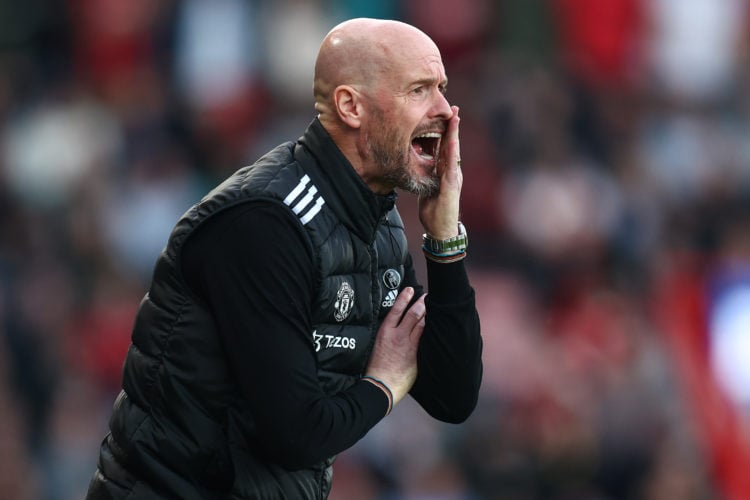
359	208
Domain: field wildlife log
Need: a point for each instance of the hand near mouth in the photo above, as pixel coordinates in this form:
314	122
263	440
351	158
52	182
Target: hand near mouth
439	213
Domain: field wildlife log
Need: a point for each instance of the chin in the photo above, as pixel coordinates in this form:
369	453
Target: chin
425	186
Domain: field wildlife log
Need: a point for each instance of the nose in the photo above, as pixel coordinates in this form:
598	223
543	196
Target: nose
442	108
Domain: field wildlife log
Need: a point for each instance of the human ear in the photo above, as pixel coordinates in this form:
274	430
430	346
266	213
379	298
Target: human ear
348	105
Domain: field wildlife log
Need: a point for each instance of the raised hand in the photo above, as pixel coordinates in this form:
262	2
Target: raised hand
439	214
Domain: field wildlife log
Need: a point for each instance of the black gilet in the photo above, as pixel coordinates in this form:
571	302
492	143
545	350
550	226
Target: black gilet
180	427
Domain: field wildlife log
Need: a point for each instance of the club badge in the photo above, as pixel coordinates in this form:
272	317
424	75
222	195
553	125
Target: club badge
344	302
391	279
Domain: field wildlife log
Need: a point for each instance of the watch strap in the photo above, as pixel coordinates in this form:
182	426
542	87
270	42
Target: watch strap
453	248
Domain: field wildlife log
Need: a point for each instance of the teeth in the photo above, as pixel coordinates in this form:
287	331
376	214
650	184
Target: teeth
428	135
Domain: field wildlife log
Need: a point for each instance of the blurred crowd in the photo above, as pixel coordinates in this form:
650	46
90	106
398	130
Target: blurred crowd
606	193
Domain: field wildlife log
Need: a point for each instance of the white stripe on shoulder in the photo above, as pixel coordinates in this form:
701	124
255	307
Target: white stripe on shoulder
297	190
312	201
313	211
305	200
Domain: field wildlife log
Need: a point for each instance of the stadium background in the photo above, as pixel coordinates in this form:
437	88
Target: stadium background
607	181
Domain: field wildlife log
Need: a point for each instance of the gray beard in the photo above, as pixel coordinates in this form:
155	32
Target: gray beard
395	166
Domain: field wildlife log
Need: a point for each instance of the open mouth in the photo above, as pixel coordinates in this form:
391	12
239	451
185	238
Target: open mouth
427	145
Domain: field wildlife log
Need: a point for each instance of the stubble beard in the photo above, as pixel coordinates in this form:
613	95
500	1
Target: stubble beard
394	163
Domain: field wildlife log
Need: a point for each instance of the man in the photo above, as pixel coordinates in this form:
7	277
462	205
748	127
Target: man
284	319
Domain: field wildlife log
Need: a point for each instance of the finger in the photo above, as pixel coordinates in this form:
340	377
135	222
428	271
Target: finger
452	147
393	318
453	139
416	332
414	315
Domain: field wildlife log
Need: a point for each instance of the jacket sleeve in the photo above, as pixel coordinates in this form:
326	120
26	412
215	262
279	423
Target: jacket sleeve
450	351
252	267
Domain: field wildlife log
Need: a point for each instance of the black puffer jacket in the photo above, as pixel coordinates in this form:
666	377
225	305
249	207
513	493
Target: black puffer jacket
180	428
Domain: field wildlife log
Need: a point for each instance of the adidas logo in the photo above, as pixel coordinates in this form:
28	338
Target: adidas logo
390	298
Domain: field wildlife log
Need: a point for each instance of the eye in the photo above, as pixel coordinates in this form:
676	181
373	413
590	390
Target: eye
418	90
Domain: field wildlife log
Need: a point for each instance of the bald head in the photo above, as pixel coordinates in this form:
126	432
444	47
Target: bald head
380	94
358	53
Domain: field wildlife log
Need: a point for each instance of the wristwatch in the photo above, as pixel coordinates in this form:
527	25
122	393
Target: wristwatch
450	246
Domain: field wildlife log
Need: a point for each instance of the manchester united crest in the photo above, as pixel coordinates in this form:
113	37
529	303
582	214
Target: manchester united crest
344	301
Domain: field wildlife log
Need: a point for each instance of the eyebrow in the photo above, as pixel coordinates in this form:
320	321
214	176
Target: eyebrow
443	84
